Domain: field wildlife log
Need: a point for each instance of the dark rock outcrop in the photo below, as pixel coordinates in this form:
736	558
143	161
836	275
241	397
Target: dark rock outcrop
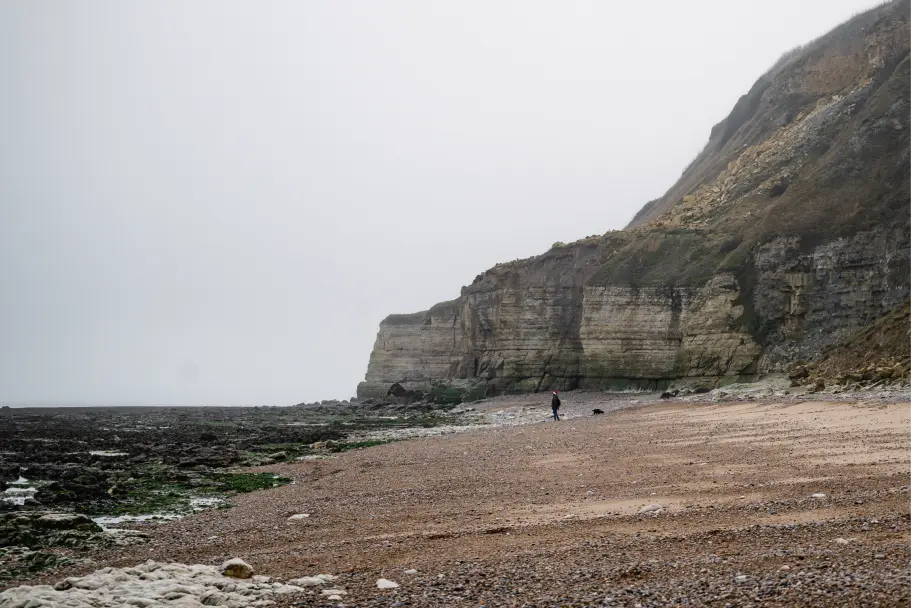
37	529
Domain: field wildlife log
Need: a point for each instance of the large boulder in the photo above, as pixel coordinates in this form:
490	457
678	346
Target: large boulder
237	568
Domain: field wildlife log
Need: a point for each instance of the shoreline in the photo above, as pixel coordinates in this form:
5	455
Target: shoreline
511	500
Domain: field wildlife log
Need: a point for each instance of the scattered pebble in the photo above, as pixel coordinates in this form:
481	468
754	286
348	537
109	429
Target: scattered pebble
385	583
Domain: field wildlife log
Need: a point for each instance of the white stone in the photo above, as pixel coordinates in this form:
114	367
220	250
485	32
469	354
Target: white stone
818	496
654	508
334	592
149	585
307	581
312	581
411	571
841	541
384	583
299	516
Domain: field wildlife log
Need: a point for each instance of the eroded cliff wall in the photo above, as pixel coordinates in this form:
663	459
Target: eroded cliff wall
508	335
790	230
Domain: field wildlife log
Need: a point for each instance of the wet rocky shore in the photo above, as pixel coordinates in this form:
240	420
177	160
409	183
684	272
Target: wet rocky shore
75	480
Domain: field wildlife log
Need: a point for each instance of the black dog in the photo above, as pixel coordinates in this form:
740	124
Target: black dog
596	411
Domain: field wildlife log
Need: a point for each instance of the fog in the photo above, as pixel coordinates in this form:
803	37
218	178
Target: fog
217	202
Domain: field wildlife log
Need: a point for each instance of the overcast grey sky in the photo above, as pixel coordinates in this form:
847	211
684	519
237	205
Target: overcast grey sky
218	201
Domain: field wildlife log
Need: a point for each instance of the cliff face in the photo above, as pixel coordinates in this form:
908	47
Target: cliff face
788	231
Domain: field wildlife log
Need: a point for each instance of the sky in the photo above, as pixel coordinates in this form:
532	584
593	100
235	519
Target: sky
217	202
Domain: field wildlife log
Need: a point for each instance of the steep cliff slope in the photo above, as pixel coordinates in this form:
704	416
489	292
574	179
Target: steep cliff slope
790	230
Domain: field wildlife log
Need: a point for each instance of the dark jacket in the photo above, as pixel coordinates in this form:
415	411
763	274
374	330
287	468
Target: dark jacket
555	402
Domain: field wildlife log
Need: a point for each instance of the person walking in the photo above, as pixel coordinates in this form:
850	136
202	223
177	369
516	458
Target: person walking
555	405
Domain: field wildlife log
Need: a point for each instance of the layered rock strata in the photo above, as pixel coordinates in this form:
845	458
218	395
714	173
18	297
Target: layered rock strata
789	231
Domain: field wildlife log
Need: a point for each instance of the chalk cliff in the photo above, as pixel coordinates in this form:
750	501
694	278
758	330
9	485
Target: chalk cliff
789	230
